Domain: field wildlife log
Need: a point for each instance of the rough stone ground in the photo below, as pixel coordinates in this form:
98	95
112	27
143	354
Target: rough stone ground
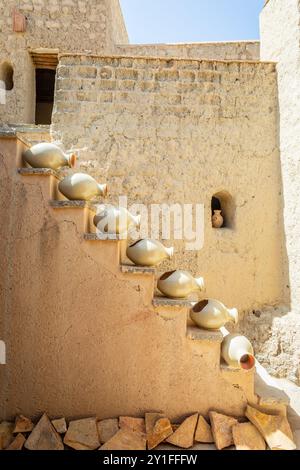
267	387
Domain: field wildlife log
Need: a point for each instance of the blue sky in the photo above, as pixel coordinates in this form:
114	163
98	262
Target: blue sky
154	21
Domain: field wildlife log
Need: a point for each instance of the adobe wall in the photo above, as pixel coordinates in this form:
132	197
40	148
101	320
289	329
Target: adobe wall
67	25
277	333
179	131
234	50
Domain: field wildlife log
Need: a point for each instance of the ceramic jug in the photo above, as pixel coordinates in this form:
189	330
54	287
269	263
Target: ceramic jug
81	186
148	252
212	314
115	220
237	352
179	284
217	219
47	155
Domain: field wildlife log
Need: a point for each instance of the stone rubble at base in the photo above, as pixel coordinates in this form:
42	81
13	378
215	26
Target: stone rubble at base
154	431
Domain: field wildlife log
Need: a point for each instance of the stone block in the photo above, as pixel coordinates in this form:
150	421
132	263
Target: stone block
274	428
17	443
247	437
126	439
203	431
60	425
158	428
44	437
83	434
107	428
23	424
135	424
184	435
221	426
6	434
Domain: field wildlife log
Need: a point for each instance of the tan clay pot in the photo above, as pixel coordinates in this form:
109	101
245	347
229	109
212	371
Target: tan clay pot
179	284
148	252
47	155
212	314
217	219
116	220
237	352
81	186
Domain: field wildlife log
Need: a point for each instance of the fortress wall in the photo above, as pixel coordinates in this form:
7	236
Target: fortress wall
180	131
235	50
65	25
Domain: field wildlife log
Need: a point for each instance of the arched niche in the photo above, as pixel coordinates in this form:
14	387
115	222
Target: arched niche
7	75
224	202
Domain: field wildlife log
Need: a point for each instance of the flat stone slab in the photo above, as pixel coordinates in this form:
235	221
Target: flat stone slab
203	432
158	428
107	428
44	437
128	268
135	424
221	426
247	437
173	303
183	437
23	424
6	434
17	443
274	428
60	425
198	334
72	205
126	439
82	434
39	172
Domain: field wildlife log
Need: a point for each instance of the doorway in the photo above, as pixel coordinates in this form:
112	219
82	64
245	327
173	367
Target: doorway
45	85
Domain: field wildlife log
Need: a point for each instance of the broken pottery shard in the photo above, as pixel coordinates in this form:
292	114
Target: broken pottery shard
247	437
126	439
135	424
17	443
82	434
23	424
44	437
203	431
184	435
60	425
221	426
274	428
6	434
158	428
107	428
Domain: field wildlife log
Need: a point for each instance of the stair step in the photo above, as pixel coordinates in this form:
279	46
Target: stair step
166	302
127	268
39	172
72	205
197	334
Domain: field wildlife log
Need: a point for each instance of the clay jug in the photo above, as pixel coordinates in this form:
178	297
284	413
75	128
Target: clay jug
217	219
148	252
115	220
47	155
81	186
212	314
179	284
237	352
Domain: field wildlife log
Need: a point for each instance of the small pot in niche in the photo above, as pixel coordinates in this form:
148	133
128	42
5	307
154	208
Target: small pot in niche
179	284
237	352
211	314
81	187
148	252
217	219
115	220
48	155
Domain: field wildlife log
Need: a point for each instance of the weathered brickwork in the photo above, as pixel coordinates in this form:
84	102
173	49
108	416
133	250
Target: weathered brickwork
179	131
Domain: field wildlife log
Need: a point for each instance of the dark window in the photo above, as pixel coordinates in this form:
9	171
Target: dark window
45	84
7	76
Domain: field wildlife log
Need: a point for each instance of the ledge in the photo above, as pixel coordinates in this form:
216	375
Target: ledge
126	268
198	334
165	302
226	368
93	237
39	171
72	205
13	129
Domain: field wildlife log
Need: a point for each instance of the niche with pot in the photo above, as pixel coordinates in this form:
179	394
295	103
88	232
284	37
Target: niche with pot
222	210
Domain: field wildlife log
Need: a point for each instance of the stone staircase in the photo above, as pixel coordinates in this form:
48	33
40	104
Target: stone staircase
85	331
